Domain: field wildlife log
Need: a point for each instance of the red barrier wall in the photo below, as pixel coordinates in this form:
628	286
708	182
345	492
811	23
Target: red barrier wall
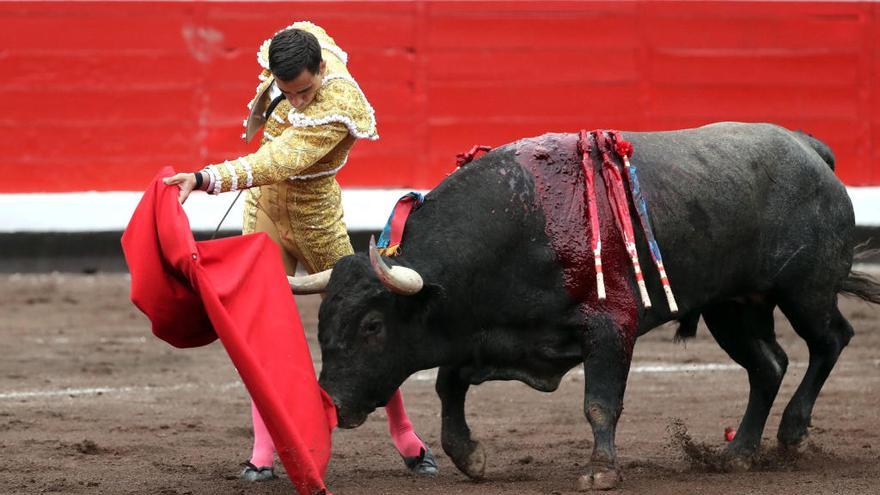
99	95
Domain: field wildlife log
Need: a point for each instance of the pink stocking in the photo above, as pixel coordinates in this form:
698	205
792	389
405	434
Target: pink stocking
405	439
264	450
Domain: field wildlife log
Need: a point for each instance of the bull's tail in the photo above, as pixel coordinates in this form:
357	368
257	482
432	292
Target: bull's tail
821	148
860	284
687	327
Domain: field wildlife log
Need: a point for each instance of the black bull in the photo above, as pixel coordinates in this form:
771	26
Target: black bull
749	217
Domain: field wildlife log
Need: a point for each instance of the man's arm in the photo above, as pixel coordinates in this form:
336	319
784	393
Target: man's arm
294	151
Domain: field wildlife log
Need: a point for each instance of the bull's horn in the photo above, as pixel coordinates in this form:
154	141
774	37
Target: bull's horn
398	279
310	284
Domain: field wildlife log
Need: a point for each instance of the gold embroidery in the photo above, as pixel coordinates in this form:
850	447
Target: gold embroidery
338	100
306	212
309	145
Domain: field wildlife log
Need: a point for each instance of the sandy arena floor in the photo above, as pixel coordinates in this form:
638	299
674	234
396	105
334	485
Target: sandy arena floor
91	402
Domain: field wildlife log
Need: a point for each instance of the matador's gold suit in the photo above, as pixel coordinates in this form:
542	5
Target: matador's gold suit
297	201
295	197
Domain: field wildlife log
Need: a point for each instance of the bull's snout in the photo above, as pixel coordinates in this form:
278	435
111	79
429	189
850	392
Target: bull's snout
353	401
349	420
346	416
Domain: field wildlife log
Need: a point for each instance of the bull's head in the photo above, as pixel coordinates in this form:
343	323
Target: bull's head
371	327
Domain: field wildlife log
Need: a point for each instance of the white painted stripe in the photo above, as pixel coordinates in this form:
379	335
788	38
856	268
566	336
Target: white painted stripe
430	375
421	376
680	368
77	392
866	203
365	209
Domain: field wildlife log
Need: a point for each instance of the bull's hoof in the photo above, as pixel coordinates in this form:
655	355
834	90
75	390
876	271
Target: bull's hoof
792	438
423	464
472	464
738	463
254	473
600	479
793	427
737	458
793	448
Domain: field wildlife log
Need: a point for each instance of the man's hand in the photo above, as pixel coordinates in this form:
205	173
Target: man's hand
186	182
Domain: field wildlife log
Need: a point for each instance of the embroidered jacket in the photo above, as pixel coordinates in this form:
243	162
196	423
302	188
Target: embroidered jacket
306	144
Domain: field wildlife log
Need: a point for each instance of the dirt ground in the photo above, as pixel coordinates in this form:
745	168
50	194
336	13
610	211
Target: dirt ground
91	402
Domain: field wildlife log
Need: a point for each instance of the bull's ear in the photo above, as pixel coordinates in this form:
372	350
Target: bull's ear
430	301
433	294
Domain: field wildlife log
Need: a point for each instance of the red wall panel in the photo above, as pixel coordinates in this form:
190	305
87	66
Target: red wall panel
870	172
98	95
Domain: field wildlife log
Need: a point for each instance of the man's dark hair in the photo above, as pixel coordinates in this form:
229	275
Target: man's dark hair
293	50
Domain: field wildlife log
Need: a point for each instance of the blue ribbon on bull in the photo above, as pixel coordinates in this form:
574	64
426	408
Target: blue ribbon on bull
642	209
389	240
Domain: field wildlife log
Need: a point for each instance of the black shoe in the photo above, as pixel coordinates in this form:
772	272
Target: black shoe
254	473
423	464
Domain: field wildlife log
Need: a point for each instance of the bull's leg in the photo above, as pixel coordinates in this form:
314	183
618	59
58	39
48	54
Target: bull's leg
466	453
606	366
826	335
745	332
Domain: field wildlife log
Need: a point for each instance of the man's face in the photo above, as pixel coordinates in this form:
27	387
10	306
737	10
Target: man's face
301	91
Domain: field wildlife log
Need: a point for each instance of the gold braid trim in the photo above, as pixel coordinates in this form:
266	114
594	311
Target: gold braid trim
339	100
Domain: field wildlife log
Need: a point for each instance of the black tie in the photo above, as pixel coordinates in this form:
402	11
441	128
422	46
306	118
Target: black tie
272	105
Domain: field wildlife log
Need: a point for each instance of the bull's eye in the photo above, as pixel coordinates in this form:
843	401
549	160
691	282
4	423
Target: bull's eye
372	326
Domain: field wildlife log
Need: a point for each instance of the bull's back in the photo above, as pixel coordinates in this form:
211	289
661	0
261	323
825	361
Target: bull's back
730	203
733	204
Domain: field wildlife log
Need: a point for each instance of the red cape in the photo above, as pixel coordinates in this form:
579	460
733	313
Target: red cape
235	289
